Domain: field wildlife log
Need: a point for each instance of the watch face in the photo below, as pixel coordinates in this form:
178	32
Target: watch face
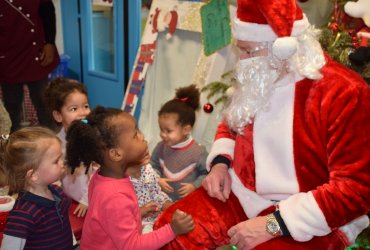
273	228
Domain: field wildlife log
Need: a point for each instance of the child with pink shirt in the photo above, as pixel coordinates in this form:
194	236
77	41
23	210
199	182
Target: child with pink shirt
110	138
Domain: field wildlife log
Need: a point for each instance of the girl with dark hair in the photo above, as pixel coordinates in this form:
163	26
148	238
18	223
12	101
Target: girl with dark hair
110	138
178	159
67	101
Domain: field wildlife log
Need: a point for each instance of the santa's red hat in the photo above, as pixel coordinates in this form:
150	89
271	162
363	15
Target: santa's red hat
266	21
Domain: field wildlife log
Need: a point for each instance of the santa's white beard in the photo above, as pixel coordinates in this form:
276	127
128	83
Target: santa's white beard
256	78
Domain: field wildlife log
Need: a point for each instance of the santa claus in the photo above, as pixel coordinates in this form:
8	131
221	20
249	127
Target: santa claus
289	168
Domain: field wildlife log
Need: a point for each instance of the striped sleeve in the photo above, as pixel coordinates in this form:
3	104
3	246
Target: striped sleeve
20	223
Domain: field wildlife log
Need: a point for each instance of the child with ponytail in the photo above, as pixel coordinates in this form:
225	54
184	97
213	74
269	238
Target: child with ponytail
110	138
178	159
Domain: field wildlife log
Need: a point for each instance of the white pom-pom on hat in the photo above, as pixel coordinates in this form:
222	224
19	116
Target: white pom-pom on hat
284	47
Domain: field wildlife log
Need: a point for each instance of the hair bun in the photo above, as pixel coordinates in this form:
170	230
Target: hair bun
189	95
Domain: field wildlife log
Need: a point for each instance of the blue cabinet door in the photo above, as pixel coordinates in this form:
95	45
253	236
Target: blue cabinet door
102	39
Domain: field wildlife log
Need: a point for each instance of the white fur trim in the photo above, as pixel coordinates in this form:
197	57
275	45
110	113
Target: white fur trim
7	206
255	32
275	171
303	217
363	34
285	47
252	203
354	228
222	146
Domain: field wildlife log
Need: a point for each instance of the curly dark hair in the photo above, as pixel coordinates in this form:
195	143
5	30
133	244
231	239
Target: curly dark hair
58	90
185	103
87	139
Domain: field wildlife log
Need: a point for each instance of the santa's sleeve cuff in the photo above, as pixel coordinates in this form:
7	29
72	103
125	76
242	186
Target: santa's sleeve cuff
222	146
303	217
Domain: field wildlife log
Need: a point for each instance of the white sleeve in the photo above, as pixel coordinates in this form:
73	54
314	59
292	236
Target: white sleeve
12	243
303	208
304	219
222	146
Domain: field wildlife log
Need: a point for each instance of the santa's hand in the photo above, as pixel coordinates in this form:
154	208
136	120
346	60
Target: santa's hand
218	182
249	233
163	183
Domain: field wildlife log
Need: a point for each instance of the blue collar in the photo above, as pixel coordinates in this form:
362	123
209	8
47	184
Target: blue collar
39	200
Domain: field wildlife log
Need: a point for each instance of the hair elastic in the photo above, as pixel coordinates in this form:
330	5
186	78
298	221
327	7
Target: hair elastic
85	121
184	99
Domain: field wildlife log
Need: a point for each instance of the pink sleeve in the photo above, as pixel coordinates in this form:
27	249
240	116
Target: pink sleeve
123	225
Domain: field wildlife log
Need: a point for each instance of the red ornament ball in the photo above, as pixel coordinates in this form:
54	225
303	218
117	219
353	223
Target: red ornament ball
334	26
208	108
355	42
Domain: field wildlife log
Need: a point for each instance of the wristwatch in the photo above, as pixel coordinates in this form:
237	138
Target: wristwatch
272	226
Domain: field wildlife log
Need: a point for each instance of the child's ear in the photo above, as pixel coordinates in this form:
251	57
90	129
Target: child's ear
57	116
32	175
115	154
187	129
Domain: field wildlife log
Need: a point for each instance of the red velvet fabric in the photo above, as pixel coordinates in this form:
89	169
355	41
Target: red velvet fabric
331	142
213	219
280	15
76	222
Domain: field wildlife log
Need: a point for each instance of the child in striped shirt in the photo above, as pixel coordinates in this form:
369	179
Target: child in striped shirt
33	160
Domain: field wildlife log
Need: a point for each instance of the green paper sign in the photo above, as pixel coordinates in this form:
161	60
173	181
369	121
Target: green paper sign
215	26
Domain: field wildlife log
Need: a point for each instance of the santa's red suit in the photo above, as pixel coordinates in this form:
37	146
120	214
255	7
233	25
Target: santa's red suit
308	155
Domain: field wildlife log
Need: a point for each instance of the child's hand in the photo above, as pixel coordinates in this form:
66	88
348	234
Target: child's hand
166	205
181	223
80	210
163	183
185	189
149	208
